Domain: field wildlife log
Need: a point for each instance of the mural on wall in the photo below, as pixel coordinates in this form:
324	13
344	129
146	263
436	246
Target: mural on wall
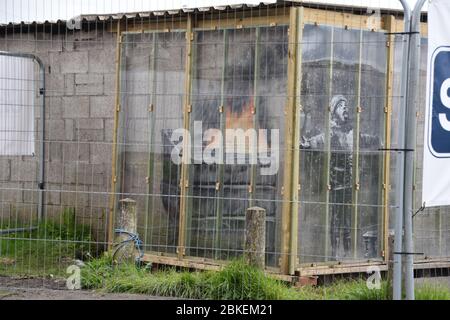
342	97
239	80
341	170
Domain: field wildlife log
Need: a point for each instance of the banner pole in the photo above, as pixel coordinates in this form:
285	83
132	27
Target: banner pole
400	161
410	144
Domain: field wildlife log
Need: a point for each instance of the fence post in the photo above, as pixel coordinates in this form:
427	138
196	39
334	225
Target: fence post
255	237
127	218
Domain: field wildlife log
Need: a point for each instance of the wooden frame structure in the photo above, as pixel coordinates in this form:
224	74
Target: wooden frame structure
295	18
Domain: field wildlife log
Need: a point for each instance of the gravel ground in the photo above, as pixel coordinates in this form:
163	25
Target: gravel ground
55	289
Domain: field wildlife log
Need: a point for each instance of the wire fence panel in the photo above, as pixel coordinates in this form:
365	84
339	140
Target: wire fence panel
197	116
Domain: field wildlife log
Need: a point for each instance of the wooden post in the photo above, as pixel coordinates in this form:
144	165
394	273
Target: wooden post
220	166
294	259
255	237
150	179
356	154
127	218
127	221
185	168
252	186
289	146
112	199
390	27
327	165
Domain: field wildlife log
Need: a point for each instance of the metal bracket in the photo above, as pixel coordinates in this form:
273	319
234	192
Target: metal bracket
400	33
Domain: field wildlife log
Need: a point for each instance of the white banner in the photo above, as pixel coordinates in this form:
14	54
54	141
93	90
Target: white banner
436	164
17	100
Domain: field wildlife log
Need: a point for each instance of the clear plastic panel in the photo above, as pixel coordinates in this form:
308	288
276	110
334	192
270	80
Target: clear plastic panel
152	110
271	97
206	99
315	95
373	102
334	214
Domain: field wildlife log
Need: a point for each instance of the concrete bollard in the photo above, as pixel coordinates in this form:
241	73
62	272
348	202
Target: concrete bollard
255	237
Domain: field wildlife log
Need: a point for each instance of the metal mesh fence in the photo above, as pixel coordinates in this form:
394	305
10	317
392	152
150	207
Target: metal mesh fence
198	115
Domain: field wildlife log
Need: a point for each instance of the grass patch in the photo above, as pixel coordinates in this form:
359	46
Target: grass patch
237	281
431	292
47	250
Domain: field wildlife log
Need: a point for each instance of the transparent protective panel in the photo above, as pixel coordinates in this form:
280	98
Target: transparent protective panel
315	95
372	103
271	97
152	96
206	99
343	147
239	90
342	95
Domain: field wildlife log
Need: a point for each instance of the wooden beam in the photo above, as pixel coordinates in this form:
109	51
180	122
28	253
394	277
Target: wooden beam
185	167
399	27
295	187
338	269
390	26
246	19
326	171
289	145
253	166
356	154
112	198
151	130
205	264
220	166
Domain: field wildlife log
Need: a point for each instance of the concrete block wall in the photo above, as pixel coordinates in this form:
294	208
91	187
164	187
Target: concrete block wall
80	91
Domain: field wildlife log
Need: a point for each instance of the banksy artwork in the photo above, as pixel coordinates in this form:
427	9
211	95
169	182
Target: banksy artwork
341	170
343	80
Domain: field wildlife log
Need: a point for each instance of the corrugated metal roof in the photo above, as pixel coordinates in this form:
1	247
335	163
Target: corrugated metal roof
171	12
145	14
131	15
